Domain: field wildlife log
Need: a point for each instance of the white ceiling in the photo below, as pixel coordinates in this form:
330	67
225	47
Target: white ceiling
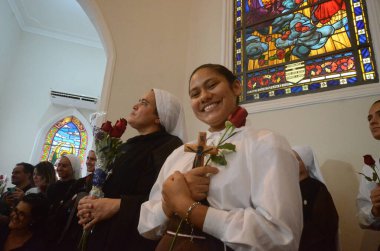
60	19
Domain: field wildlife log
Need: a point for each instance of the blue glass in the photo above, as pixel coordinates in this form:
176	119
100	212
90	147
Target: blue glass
238	23
238	3
238	68
238	57
238	14
365	53
333	83
279	92
296	89
358	11
264	95
368	68
360	24
238	45
352	80
249	98
362	39
314	86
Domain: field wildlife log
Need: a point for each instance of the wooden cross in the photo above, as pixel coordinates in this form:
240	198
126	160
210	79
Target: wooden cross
200	150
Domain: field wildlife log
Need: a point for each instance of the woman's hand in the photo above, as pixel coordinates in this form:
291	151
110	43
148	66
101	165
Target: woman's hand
375	199
175	193
198	181
91	210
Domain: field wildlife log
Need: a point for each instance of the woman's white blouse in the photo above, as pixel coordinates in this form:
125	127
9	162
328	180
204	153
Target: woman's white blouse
255	201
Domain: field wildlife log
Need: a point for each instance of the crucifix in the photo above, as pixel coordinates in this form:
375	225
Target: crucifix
200	149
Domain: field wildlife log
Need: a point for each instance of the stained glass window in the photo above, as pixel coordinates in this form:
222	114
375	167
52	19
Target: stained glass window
292	47
67	136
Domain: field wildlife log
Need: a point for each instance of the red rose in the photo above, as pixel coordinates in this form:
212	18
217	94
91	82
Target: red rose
368	160
1	177
107	126
238	118
119	128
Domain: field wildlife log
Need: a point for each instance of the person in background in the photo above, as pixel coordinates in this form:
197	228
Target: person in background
320	218
69	170
70	229
251	203
22	178
43	176
368	198
26	229
158	118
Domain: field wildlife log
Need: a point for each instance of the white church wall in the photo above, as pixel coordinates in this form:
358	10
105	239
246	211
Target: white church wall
42	64
150	39
10	33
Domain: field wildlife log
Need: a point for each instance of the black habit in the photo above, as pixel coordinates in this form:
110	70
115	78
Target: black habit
132	178
320	218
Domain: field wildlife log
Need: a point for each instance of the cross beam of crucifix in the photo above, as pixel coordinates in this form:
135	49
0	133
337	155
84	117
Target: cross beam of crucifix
200	149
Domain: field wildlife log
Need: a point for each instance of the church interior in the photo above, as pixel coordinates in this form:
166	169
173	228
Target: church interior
140	45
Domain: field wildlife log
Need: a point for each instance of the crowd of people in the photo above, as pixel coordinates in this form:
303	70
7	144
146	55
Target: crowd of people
254	191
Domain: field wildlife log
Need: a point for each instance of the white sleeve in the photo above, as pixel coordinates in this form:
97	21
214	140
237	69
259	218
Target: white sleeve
274	219
153	220
364	204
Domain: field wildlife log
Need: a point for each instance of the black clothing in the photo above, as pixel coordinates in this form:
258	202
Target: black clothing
320	217
35	243
132	178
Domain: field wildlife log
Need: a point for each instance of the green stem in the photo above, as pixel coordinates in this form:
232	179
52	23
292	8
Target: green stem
175	236
221	140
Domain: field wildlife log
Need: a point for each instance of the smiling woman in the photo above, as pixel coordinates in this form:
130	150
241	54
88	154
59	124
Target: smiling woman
26	225
237	204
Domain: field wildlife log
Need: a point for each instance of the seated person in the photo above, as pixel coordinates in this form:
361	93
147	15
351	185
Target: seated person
22	178
26	229
320	218
368	199
43	176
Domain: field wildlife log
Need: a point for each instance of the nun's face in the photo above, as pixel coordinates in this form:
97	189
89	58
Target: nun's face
144	115
65	170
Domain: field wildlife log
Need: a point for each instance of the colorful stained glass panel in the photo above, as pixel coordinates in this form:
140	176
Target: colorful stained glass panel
292	47
67	136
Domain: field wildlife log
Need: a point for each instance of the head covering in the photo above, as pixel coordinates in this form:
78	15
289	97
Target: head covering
308	157
75	164
171	113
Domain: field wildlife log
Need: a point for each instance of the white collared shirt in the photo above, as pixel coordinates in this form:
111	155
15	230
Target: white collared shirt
255	201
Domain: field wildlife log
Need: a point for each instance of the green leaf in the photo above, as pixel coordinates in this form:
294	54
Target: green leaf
228	146
219	159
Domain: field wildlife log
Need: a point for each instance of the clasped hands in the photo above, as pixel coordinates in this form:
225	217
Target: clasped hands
375	199
181	189
92	210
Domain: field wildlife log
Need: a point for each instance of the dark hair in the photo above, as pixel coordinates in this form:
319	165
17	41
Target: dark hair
46	170
28	169
39	210
222	70
377	101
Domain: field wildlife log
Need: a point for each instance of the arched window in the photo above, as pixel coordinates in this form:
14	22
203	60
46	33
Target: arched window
292	47
67	136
